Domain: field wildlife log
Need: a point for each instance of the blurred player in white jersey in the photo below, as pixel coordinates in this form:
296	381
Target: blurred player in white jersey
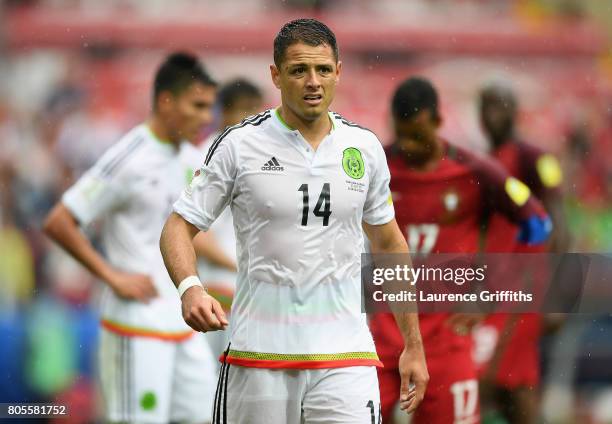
153	368
303	184
237	100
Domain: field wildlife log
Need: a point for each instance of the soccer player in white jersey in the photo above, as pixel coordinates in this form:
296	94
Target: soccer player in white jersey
237	100
153	368
303	184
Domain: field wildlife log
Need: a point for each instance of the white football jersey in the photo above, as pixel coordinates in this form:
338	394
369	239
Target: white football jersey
298	221
131	189
220	281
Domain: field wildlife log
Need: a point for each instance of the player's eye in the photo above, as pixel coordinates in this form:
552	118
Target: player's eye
298	70
325	70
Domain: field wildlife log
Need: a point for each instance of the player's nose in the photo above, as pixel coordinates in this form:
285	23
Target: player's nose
312	79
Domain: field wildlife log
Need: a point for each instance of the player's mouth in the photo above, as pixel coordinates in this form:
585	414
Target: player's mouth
313	99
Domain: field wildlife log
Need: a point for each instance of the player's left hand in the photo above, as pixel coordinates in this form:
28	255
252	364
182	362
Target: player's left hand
413	371
463	323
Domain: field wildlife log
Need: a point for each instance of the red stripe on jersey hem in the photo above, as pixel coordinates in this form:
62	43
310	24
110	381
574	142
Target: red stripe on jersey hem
260	363
127	331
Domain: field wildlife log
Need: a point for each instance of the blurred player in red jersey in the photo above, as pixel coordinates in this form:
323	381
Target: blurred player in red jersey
441	193
539	169
509	344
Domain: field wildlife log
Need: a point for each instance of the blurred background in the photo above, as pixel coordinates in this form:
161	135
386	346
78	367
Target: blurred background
75	74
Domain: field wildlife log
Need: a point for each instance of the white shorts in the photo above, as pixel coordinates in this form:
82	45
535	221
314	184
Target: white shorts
217	340
146	380
281	396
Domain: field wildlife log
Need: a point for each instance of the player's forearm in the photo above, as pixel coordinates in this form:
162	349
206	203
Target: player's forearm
408	324
177	248
206	246
62	228
388	240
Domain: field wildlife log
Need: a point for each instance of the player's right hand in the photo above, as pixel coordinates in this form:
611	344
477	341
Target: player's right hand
201	311
138	287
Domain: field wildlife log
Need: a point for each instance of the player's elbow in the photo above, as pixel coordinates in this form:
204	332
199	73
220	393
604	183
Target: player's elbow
390	242
55	221
166	230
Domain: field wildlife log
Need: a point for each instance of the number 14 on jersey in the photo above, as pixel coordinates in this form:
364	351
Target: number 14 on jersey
322	208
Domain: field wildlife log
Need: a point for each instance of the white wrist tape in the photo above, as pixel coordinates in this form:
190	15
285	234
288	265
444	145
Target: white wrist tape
188	283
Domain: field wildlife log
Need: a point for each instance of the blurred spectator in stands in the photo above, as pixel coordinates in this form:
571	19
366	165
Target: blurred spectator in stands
16	260
589	182
603	151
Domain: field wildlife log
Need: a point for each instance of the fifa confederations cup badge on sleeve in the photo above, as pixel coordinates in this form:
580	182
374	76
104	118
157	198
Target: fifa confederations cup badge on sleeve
352	162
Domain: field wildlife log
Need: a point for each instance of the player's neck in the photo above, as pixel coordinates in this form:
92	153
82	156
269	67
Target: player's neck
433	161
313	131
227	123
501	140
160	132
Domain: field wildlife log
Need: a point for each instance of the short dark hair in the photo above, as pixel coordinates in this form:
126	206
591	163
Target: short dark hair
412	96
307	31
236	89
499	89
178	72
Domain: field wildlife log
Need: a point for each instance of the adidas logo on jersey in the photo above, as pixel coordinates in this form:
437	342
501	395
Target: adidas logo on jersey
272	165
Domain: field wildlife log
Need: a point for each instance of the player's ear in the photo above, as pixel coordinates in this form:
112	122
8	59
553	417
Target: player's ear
437	119
338	71
164	100
275	74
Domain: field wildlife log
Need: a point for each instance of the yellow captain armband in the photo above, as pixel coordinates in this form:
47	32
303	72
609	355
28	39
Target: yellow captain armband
390	200
549	170
517	190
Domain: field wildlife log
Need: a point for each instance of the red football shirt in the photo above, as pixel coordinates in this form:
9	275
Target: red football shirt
542	174
441	211
518	363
